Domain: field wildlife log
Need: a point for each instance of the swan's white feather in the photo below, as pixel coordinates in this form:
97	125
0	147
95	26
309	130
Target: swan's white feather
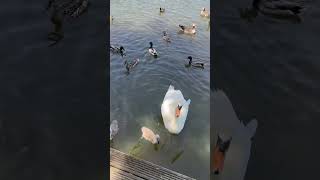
172	99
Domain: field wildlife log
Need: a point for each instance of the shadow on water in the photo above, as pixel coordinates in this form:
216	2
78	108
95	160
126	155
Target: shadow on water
269	68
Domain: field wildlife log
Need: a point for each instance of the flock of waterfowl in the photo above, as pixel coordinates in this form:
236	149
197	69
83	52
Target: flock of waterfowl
191	30
174	108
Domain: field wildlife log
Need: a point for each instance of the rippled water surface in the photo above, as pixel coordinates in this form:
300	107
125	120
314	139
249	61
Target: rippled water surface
136	98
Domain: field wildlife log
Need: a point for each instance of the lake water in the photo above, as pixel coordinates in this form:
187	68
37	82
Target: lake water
136	98
270	71
52	99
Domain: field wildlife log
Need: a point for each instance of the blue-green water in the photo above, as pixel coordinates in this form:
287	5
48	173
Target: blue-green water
136	98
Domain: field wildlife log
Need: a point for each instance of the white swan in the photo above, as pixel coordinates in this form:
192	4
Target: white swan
174	110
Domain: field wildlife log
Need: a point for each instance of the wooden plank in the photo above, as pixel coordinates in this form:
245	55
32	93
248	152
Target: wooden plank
117	174
140	169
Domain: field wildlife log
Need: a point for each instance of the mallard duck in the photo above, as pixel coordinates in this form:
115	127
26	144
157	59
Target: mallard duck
174	110
166	36
277	7
219	154
152	50
188	30
204	13
113	129
131	65
194	64
119	50
162	10
150	136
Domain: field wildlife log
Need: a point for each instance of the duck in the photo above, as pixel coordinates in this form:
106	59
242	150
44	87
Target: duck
166	37
131	65
204	13
152	50
162	10
188	30
174	110
113	129
119	50
194	64
150	136
278	8
219	154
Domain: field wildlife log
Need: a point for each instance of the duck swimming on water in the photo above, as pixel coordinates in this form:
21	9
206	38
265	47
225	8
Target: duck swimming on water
194	64
118	50
131	65
152	50
273	8
204	13
166	36
188	30
277	6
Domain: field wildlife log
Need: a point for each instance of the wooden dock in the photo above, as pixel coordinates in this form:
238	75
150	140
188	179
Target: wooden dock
125	167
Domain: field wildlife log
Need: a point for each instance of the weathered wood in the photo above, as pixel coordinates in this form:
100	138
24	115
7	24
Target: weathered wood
123	166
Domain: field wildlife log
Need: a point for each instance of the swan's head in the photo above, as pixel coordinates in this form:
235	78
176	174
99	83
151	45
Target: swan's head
203	9
121	48
164	33
178	110
223	145
194	25
151	44
220	153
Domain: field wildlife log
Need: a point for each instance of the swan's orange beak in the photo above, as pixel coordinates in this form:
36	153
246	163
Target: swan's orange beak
218	160
178	111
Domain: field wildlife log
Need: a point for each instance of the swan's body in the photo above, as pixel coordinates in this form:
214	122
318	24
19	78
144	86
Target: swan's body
188	30
204	13
150	136
113	129
152	50
166	36
131	65
118	50
171	101
194	64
